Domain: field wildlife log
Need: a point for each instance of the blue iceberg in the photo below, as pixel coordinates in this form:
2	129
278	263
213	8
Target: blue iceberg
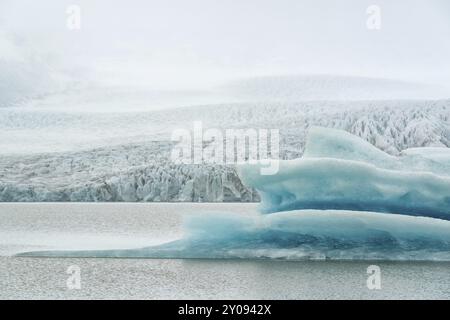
341	171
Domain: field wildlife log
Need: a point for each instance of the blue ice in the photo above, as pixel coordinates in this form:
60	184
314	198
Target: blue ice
297	235
341	171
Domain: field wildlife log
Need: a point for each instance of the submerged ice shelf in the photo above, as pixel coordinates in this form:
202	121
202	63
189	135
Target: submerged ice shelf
301	234
345	199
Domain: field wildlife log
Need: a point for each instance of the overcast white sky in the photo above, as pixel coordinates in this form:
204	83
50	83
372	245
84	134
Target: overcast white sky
188	43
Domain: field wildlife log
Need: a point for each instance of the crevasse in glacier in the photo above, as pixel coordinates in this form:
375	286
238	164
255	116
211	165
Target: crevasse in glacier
341	171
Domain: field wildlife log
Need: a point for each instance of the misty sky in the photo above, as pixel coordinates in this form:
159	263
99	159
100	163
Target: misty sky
178	43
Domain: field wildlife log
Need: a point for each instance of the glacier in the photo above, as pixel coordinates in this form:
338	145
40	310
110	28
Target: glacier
60	156
341	171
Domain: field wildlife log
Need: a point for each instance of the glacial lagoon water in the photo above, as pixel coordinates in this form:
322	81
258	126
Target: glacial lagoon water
78	226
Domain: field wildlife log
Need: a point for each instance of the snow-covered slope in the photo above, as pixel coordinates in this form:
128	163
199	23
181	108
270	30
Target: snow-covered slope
390	125
331	87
